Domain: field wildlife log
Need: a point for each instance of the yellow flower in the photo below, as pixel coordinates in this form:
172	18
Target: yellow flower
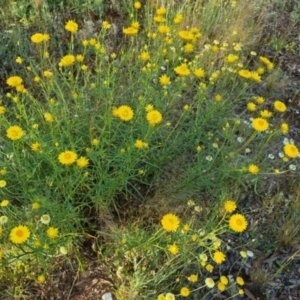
1	253
130	31
221	286
209	282
35	147
4	203
255	76
67	157
82	162
19	234
158	19
79	57
48	74
19	60
52	232
135	25
209	268
178	19
218	97
14	81
38	38
238	223
184	292
161	11
14	132
231	58
2	110
173	249
253	169
170	222
41	278
71	26
154	117
125	113
137	5
182	70
193	278
145	56
240	280
279	106
161	297
264	60
67	61
106	25
3	220
163	29
48	117
164	80
245	73
35	205
188	48
284	128
219	257
95	142
265	114
291	150
251	106
199	73
230	206
224	280
260	124
186	35
139	144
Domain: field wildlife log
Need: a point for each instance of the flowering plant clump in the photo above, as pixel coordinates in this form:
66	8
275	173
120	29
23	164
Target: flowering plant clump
105	121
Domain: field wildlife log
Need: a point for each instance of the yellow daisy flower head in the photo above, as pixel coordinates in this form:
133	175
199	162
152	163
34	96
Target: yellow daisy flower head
48	117
82	162
240	280
52	232
209	268
144	56
67	61
193	278
38	38
35	147
14	81
238	223
71	26
4	203
186	35
231	58
224	280
178	19
230	206
291	150
182	70
130	31
164	80
161	11
173	249
170	222
251	106
19	234
137	5
106	25
266	114
163	29
14	132
125	113
245	73
154	117
253	169
67	157
219	257
184	291
139	144
199	73
259	100
221	286
284	127
279	106
41	278
260	124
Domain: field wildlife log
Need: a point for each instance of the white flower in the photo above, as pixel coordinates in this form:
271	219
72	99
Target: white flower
209	282
247	150
292	167
45	219
240	139
63	250
249	253
271	156
281	155
208	158
3	219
